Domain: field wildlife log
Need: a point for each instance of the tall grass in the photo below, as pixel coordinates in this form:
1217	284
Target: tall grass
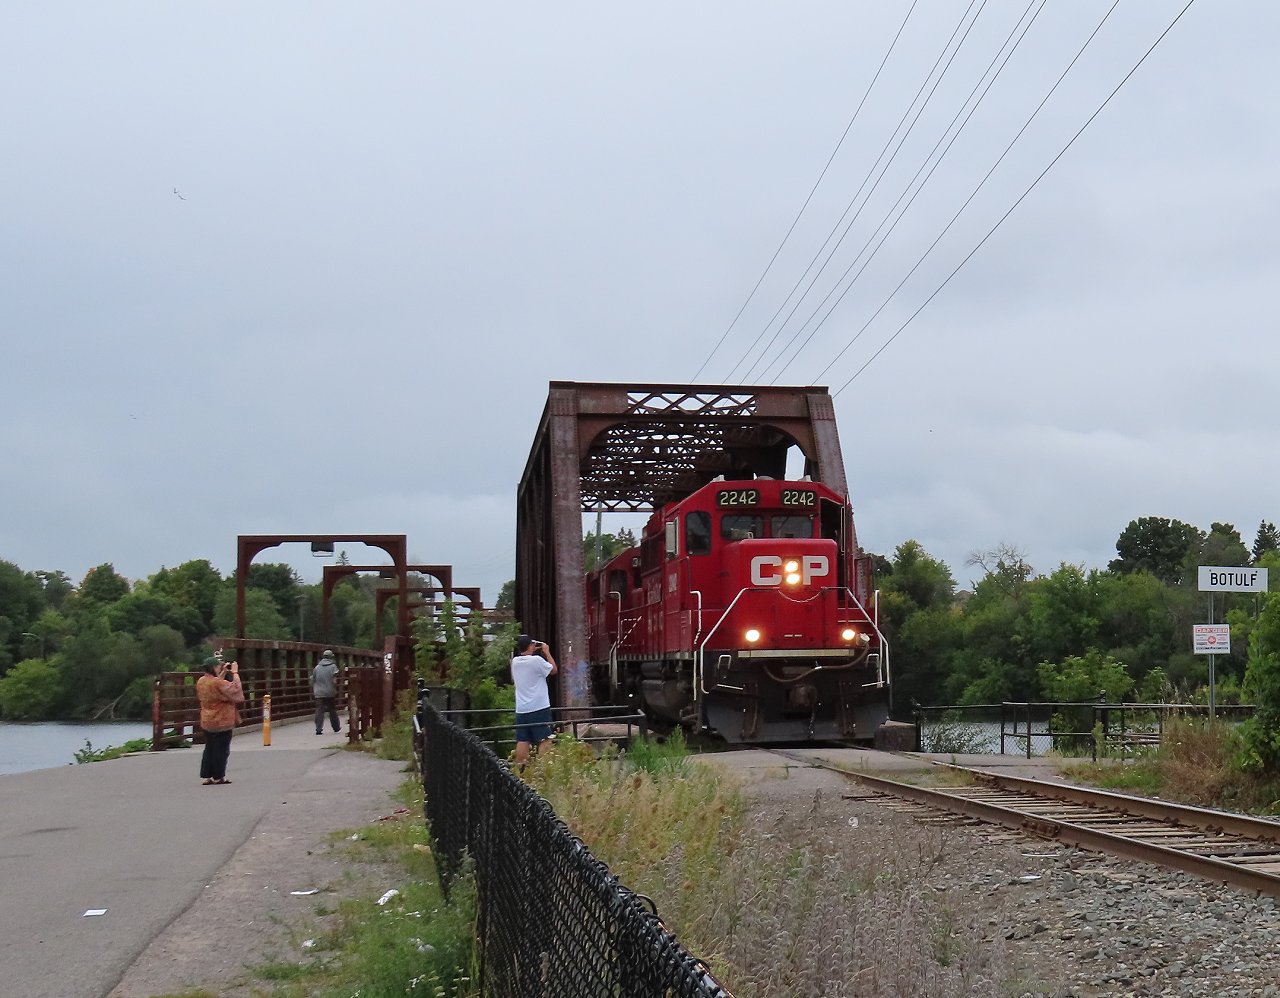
803	904
1198	762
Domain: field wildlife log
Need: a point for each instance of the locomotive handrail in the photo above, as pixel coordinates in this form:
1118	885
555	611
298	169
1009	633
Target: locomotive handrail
699	661
882	659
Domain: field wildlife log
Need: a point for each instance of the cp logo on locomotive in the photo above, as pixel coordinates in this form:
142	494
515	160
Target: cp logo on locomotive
766	569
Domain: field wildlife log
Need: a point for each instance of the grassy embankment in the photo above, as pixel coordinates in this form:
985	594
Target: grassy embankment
1196	763
791	902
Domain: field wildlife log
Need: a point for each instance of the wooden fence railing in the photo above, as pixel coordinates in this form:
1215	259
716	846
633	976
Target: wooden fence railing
368	681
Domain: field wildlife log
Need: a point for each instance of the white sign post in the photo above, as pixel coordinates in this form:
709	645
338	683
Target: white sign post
1215	639
1212	640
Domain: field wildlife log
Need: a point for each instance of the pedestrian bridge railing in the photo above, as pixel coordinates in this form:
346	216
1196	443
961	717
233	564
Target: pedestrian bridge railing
281	670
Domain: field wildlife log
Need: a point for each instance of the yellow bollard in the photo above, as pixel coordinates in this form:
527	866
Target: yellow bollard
266	719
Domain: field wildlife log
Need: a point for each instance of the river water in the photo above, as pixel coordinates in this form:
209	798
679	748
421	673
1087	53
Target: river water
24	747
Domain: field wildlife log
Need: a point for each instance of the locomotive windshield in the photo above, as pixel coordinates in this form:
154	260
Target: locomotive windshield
740	527
791	526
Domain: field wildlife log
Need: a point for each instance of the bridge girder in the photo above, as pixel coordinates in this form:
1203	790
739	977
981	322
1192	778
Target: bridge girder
633	448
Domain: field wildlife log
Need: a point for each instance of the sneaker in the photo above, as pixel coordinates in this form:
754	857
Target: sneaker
319	732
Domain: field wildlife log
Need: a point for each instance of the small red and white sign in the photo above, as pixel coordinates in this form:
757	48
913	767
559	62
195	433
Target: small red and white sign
1211	639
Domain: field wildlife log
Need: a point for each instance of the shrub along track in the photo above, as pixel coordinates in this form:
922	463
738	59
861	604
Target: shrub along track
1220	846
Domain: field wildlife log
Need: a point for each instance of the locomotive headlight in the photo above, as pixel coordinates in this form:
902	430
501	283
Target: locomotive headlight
752	636
791	567
791	572
848	634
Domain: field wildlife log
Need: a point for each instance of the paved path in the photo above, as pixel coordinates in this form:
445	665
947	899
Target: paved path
143	838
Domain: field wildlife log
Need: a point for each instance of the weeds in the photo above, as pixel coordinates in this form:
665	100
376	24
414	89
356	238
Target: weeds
805	904
950	734
90	754
668	757
413	942
1198	762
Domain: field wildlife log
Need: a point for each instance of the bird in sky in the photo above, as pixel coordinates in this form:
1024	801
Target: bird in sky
175	191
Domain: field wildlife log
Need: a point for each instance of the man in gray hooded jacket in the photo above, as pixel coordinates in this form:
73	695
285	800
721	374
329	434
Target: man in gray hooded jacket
324	687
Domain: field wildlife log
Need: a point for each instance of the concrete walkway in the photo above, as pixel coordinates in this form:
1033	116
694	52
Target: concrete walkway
142	838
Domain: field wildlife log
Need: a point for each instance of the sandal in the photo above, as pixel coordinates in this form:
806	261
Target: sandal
206	783
221	782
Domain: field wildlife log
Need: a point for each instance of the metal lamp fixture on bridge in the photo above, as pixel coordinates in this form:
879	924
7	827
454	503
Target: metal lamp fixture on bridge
322	549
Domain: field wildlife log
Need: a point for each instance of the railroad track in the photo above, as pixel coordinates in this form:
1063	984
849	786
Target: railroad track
1229	848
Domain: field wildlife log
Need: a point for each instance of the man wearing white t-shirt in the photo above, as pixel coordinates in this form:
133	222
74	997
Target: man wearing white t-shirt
529	671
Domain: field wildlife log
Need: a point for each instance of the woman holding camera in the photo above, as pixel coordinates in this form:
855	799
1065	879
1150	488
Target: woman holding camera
218	691
530	668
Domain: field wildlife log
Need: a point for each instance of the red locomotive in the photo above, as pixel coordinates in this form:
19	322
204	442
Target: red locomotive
746	610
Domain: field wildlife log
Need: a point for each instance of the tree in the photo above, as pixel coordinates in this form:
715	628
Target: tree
1261	732
1144	622
102	585
506	596
193	584
29	691
1064	612
162	647
1267	539
261	617
1004	568
281	582
1082	678
918	615
143	608
1157	545
57	588
21	602
924	581
609	546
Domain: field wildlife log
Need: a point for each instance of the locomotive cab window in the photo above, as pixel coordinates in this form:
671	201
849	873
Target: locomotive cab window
791	526
697	532
740	528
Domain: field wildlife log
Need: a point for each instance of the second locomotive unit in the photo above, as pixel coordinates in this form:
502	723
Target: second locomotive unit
746	610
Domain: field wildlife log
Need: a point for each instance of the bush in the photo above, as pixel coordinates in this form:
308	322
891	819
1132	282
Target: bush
30	691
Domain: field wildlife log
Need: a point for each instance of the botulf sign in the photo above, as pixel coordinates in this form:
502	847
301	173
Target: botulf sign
1225	579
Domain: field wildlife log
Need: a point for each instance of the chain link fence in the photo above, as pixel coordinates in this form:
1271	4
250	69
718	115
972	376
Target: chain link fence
553	922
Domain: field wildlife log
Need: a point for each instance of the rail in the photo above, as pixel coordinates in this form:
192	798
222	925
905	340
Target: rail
1220	846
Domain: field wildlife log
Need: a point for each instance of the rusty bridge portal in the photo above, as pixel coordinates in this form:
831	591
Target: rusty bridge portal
633	448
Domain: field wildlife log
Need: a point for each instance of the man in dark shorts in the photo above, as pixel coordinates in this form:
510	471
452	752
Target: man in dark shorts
530	668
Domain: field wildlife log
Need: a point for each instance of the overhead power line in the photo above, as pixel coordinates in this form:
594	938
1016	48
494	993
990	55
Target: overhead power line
907	189
1015	204
795	221
861	187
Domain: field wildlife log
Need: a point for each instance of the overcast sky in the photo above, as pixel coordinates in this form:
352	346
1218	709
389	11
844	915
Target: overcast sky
309	267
